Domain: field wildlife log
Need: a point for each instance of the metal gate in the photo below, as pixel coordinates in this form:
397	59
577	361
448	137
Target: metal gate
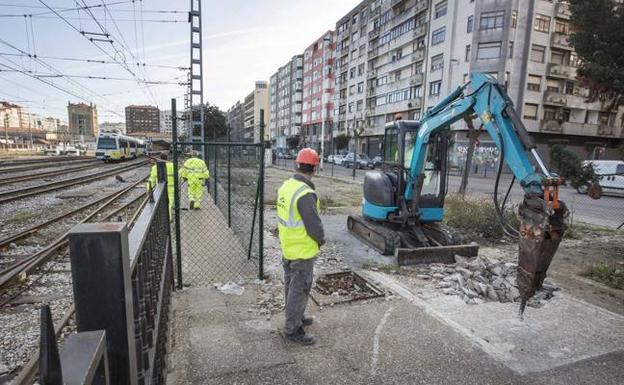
223	239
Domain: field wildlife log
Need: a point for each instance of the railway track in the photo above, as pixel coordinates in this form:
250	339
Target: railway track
28	372
8	196
51	159
22	178
10	170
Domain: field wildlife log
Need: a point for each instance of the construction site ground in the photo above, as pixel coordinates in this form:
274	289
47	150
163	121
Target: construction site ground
416	334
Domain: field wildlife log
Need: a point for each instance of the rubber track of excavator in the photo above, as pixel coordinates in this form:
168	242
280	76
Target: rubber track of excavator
373	234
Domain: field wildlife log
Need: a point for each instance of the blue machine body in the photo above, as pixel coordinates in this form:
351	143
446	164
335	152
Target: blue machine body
481	96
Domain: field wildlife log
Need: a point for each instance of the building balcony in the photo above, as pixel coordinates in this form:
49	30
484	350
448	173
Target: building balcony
373	52
581	129
374	33
418	55
417	79
420	30
420	6
560	71
555	98
396	2
562	11
371	74
560	40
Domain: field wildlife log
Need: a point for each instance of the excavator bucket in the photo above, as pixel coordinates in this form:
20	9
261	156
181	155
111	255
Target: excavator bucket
541	230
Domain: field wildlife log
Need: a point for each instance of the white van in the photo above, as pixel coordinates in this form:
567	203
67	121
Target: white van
610	176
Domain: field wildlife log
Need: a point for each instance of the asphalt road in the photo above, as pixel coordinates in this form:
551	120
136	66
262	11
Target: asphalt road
607	211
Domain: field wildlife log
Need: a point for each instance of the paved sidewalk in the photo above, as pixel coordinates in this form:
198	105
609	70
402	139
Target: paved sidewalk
218	339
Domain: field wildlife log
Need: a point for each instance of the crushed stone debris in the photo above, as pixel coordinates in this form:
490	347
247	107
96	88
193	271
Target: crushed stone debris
481	279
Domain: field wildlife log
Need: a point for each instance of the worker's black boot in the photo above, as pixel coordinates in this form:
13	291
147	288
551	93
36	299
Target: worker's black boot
301	337
192	205
307	321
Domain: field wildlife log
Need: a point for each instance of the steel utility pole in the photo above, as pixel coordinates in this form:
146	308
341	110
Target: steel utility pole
196	79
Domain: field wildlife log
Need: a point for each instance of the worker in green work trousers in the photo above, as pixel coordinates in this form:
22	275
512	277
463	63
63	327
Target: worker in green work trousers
195	173
153	179
301	236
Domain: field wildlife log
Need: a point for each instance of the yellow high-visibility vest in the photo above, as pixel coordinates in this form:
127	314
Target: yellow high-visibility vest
295	241
153	179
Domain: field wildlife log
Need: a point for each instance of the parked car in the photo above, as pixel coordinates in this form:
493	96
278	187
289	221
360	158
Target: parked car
330	159
377	161
362	161
610	176
338	159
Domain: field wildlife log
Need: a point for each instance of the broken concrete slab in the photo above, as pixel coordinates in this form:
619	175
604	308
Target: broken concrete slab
564	331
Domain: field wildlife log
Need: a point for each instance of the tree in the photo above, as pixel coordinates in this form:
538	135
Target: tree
597	39
342	141
215	123
570	166
293	141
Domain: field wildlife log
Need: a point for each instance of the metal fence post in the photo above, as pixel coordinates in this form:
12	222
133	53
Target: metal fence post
216	176
261	214
176	192
103	293
229	181
50	372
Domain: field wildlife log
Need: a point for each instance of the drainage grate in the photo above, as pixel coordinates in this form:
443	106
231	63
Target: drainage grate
343	287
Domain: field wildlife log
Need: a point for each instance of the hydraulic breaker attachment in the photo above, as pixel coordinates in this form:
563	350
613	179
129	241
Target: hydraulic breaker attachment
542	224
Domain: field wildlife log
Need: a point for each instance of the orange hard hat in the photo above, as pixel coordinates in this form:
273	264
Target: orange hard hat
308	156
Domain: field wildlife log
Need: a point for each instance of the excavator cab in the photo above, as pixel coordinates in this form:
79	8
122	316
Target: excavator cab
398	151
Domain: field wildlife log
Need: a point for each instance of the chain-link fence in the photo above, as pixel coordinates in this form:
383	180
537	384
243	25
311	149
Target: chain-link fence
220	221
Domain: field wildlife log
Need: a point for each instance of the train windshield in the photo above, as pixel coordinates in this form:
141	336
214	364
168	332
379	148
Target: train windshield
107	144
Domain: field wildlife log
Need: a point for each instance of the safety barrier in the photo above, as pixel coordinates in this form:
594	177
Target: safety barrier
122	283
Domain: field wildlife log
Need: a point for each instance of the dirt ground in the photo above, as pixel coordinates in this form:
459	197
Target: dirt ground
568	269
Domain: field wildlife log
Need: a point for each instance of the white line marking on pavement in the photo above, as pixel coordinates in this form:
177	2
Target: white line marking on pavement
376	340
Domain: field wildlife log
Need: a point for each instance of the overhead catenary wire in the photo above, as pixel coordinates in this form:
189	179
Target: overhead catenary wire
122	64
93	77
94	61
60	88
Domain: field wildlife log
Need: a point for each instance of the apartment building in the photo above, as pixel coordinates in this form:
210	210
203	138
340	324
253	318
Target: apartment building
256	100
234	118
403	56
286	98
318	91
82	119
380	66
142	119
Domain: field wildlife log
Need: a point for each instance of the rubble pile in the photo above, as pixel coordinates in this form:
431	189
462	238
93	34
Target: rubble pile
483	279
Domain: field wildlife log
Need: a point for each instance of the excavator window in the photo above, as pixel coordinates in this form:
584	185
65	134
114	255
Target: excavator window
391	145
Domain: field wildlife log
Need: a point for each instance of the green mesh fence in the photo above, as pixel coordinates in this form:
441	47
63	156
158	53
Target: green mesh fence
222	240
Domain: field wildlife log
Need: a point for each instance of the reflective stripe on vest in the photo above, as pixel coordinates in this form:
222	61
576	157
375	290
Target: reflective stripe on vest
291	212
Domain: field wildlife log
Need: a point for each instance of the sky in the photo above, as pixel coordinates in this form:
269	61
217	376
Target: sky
244	41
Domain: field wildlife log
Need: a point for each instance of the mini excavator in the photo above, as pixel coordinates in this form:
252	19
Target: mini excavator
404	202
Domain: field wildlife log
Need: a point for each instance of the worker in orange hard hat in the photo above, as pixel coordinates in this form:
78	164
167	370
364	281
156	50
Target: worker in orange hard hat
301	236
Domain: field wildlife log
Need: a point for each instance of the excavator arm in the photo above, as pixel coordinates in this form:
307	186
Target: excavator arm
541	214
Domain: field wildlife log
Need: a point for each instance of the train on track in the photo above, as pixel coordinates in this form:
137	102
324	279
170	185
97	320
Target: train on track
115	146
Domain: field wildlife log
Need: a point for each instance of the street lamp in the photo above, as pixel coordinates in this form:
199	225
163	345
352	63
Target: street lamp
326	39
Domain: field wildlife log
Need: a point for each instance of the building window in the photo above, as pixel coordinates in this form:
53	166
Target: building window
542	23
534	83
467	53
537	53
359	104
437	62
530	111
553	85
440	9
514	18
562	27
434	87
492	20
550	113
351	107
557	57
569	87
360	69
438	36
352	73
470	23
489	50
511	47
360	87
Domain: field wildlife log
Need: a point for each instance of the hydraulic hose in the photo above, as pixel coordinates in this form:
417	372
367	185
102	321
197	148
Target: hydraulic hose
507	229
